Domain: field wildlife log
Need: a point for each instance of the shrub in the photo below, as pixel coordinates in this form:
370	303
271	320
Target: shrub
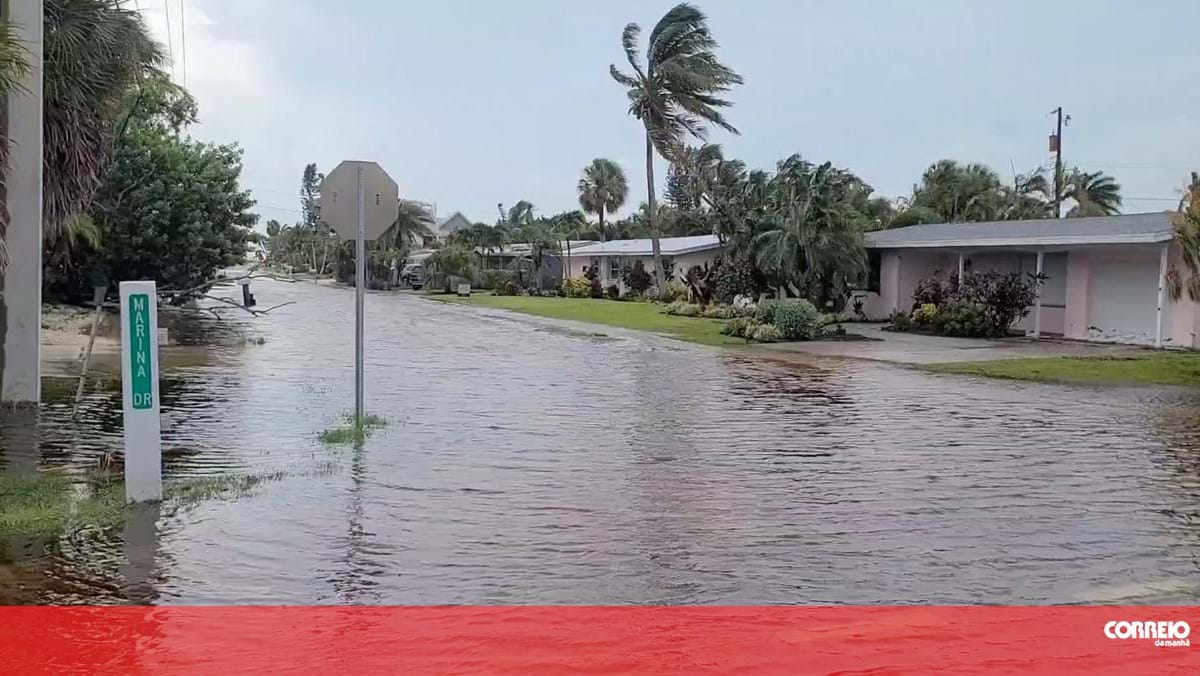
960	318
934	290
636	278
1004	296
797	320
674	291
924	315
765	313
765	333
733	277
613	292
577	287
595	289
507	287
493	279
739	327
682	309
859	312
719	312
900	321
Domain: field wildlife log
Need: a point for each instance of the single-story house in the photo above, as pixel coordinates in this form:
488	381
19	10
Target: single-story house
444	227
679	255
505	257
1105	277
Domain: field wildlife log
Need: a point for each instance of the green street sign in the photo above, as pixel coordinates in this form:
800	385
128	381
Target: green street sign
141	367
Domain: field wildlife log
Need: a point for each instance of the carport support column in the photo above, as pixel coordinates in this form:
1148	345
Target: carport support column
1162	295
962	263
1037	305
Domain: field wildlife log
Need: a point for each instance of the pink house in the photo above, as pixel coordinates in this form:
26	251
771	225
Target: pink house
678	253
1106	276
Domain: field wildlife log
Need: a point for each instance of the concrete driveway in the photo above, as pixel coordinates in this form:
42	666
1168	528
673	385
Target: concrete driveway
916	348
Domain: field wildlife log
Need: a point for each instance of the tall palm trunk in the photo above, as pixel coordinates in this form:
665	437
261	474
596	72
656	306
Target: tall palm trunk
603	235
652	216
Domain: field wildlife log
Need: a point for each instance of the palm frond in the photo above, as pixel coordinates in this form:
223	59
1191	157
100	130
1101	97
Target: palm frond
629	42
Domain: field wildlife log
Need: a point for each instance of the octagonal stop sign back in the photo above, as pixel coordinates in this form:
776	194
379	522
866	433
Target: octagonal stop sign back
339	199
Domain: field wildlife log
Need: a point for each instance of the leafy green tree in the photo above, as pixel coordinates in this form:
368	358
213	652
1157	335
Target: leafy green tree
674	92
96	51
171	208
602	190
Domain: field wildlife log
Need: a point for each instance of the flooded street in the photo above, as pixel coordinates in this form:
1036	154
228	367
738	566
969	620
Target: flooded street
526	463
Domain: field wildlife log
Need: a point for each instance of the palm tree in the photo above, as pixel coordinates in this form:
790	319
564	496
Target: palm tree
693	176
815	245
602	189
1095	194
413	225
960	193
674	92
1187	234
95	51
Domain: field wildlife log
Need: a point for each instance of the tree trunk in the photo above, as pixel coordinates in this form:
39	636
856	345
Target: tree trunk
603	234
652	216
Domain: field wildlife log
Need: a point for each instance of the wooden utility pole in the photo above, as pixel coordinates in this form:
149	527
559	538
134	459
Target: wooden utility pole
1056	143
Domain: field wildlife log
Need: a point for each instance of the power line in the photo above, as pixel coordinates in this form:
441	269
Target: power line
170	46
183	41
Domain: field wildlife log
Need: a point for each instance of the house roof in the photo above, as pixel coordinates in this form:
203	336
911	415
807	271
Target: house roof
524	249
452	223
669	246
1122	229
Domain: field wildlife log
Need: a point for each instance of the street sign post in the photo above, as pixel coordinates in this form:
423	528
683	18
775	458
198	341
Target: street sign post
359	200
139	386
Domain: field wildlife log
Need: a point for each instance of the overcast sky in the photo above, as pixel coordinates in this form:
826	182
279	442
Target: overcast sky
470	103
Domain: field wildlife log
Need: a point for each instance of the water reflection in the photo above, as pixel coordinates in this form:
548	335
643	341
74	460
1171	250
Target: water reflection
526	465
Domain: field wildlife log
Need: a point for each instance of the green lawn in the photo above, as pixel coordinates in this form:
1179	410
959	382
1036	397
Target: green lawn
627	315
1154	368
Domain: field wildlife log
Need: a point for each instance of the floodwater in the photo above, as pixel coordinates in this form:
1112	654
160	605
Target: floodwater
527	463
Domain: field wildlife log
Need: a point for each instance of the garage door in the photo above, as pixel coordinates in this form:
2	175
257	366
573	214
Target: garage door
1124	300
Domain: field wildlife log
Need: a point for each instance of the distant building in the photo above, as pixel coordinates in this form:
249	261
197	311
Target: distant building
507	257
444	227
679	254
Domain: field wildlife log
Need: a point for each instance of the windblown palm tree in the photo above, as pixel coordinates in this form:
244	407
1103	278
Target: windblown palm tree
95	50
602	190
1186	223
815	245
960	193
674	92
1095	194
693	176
413	225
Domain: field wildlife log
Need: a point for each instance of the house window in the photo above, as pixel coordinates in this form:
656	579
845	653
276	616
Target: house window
874	270
614	268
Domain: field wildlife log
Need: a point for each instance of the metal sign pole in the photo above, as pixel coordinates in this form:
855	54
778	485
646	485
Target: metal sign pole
360	281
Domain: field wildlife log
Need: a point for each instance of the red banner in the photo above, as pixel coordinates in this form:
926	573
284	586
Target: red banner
598	640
